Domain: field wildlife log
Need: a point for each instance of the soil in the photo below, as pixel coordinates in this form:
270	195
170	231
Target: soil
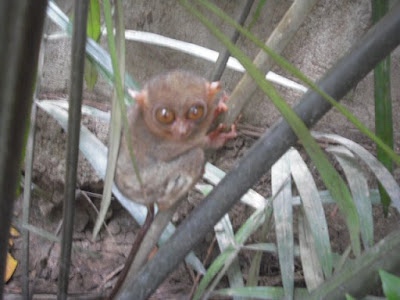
96	264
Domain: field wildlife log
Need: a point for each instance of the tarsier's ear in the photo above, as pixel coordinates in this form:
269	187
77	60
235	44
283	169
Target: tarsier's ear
139	96
213	88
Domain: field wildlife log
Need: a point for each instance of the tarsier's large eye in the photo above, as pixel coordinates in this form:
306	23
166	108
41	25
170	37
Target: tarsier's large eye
195	112
165	115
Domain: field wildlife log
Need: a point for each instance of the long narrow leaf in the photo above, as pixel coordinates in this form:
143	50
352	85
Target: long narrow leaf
204	53
283	215
381	173
94	32
116	111
329	175
313	210
269	247
359	188
225	237
313	274
254	269
383	103
390	285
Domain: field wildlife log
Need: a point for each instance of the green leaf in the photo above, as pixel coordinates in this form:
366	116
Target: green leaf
225	238
329	175
91	74
390	285
94	32
257	13
383	104
93	23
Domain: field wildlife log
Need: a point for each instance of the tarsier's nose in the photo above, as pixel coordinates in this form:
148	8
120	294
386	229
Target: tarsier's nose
181	128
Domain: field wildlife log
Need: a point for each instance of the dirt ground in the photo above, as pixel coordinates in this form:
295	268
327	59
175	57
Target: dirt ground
94	271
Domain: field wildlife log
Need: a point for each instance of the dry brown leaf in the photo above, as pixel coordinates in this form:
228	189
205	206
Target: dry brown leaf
10	267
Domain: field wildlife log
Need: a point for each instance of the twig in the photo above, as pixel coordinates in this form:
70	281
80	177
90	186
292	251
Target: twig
41	267
224	55
84	194
206	259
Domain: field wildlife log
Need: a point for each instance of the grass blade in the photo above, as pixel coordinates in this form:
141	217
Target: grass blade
381	173
254	270
225	237
283	215
116	111
359	188
94	32
313	273
390	285
257	13
313	210
383	104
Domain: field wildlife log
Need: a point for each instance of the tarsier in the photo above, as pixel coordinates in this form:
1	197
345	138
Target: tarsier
169	128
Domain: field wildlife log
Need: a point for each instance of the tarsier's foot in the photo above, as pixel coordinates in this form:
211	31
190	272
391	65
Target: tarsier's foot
218	137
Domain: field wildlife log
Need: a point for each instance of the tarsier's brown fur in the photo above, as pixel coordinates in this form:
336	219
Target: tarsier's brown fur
170	156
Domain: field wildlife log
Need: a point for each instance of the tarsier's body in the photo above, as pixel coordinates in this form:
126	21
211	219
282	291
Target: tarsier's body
168	128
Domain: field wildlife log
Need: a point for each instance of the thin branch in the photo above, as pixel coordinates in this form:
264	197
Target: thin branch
74	123
224	55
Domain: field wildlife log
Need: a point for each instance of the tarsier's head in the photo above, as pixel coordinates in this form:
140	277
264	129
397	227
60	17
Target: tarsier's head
177	105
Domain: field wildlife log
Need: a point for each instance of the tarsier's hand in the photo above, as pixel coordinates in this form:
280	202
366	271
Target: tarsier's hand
168	128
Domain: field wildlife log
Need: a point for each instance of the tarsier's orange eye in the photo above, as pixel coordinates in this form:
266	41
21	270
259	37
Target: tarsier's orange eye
195	112
165	115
